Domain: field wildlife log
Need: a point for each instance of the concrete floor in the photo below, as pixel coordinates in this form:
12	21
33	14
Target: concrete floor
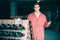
51	35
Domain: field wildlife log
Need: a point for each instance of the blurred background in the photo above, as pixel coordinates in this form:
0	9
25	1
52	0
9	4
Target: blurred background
10	9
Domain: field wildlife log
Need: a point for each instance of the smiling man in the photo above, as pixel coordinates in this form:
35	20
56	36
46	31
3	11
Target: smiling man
38	22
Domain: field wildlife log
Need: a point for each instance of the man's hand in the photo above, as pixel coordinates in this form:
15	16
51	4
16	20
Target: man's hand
47	24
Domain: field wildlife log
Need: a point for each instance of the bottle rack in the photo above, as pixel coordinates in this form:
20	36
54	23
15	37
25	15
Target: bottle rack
11	31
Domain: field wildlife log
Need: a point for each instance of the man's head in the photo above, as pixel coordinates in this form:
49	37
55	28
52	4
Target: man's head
36	7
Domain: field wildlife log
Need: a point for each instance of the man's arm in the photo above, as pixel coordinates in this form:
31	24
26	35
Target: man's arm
47	24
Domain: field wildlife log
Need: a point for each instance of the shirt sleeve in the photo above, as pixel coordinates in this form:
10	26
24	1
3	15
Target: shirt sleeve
45	23
29	18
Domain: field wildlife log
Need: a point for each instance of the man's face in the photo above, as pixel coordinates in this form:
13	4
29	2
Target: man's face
36	7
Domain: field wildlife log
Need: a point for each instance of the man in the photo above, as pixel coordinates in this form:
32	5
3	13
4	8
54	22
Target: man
38	22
